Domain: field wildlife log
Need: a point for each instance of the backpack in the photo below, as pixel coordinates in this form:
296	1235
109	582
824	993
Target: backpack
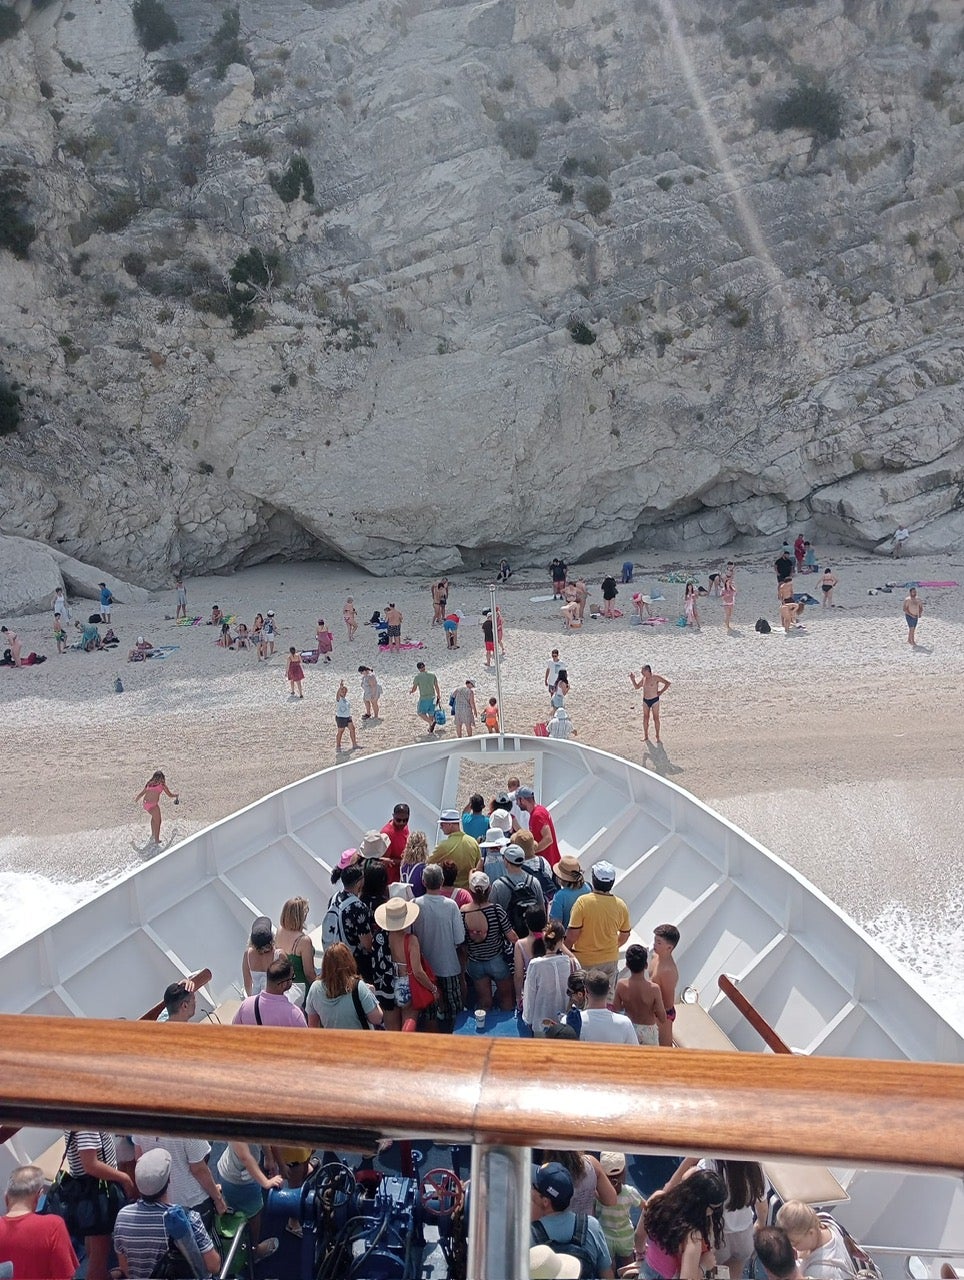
522	896
762	626
333	925
575	1247
172	1265
540	870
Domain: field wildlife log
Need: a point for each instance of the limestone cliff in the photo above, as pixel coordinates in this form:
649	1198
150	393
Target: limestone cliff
416	283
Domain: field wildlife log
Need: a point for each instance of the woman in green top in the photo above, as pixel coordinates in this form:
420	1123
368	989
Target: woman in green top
298	947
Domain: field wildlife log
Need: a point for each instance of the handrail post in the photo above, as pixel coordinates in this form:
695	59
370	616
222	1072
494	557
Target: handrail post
499	1212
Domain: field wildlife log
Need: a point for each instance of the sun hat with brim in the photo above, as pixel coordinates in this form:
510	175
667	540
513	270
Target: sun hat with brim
567	869
546	1264
347	858
450	815
396	914
501	819
374	845
495	838
402	890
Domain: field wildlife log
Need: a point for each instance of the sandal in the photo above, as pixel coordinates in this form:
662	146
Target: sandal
266	1248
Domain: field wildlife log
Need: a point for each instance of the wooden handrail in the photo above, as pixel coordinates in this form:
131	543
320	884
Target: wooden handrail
340	1089
752	1015
199	979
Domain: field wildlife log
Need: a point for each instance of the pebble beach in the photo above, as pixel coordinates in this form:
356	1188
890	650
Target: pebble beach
837	746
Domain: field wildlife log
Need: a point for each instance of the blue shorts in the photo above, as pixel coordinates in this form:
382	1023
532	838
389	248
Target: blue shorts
450	626
246	1197
497	969
425	706
911	620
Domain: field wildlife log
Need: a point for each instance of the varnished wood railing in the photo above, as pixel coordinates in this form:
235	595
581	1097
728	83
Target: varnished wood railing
331	1088
197	980
752	1015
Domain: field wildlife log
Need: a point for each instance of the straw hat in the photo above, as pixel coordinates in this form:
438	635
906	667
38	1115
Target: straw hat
396	914
567	869
546	1264
374	845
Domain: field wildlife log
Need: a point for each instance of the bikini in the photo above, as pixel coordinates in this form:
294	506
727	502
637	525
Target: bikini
152	796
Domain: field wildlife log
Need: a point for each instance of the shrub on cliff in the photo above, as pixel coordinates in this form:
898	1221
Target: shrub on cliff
17	232
9	407
225	46
519	137
155	26
817	110
295	181
9	21
172	77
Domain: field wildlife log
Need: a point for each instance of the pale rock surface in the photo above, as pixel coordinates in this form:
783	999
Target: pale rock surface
778	338
30	573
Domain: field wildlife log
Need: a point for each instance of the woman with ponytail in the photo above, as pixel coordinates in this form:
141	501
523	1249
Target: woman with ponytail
546	975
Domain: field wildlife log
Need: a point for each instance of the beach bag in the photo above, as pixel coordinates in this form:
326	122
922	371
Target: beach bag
762	626
94	617
681	620
333	926
541	730
89	1206
421	997
439	716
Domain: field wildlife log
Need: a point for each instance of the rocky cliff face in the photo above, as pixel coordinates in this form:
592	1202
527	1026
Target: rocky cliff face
416	283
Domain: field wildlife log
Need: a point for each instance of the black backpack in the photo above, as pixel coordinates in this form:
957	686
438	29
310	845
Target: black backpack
762	626
540	870
172	1265
522	896
576	1247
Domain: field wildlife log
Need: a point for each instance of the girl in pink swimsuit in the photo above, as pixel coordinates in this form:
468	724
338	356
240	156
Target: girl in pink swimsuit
154	788
683	1226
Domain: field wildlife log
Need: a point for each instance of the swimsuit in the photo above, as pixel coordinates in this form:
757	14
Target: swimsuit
152	797
395	632
826	586
671	1013
911	620
651	702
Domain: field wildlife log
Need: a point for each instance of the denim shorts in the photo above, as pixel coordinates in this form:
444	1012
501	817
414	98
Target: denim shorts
497	969
243	1197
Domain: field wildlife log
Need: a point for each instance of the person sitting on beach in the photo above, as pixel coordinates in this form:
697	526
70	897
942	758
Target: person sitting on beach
140	651
505	573
216	618
89	636
242	639
225	639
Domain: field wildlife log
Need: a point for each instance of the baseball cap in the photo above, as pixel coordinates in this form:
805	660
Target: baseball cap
515	854
554	1181
479	881
604	872
525	793
262	933
612	1162
152	1172
450	815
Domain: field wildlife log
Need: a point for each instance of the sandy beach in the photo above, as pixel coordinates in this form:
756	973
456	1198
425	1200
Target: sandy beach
837	746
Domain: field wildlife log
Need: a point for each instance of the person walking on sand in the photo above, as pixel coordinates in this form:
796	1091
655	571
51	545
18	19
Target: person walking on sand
429	695
393	621
371	692
728	596
343	718
488	637
653	686
913	612
61	606
465	711
324	640
294	673
350	614
490	716
827	584
690	602
181	589
155	787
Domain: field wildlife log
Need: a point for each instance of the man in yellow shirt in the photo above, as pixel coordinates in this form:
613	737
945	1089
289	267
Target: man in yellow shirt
461	848
599	925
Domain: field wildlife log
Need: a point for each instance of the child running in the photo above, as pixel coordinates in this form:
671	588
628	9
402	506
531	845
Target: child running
294	673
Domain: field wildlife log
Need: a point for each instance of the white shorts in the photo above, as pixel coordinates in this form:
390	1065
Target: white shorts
647	1035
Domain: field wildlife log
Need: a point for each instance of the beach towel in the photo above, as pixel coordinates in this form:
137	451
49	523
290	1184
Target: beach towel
309	655
934	585
804	597
655	622
189	622
540	599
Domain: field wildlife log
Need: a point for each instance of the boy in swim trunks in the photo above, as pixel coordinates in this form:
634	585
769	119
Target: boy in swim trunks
913	611
663	971
640	998
393	622
652	686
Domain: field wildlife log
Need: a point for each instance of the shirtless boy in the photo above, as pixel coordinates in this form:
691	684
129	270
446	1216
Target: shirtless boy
913	612
640	998
663	971
393	617
652	686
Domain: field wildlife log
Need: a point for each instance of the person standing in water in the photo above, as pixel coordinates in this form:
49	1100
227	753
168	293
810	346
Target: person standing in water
153	789
652	686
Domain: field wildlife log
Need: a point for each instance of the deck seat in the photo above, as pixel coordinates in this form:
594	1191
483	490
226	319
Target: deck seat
811	1183
225	1012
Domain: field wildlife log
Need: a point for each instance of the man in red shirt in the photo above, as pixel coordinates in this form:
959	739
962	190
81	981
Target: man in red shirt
397	832
38	1245
540	824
